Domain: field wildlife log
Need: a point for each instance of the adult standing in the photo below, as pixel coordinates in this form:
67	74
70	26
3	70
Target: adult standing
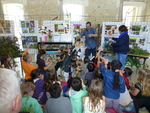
90	43
121	46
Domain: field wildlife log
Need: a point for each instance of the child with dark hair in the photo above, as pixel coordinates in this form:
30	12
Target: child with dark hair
89	76
76	92
57	103
38	81
42	64
51	79
113	83
126	73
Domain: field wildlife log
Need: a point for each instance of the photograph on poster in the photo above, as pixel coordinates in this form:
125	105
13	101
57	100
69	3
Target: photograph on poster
7	23
1	30
24	30
29	38
135	27
142	41
32	24
6	30
27	24
31	30
111	30
23	24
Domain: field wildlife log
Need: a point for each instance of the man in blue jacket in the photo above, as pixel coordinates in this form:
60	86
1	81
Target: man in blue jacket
90	43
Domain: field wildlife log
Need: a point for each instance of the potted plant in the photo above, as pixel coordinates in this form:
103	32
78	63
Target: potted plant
9	46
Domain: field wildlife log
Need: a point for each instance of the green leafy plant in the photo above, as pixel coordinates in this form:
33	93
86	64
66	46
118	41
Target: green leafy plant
138	51
9	47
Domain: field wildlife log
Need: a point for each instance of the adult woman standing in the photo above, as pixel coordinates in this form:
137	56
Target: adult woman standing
121	46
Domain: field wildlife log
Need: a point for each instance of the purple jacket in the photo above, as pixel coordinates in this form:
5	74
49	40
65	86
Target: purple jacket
39	92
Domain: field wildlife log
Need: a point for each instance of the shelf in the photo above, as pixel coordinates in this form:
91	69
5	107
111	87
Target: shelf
55	42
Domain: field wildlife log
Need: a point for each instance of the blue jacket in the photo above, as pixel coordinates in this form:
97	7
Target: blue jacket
109	91
67	60
122	44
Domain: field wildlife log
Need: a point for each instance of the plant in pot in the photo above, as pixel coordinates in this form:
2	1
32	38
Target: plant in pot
9	46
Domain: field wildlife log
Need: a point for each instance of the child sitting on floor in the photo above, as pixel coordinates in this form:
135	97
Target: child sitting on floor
29	104
126	73
95	101
5	62
42	64
113	83
51	79
38	81
57	103
76	92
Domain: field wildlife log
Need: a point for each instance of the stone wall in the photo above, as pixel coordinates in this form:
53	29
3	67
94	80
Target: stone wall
95	11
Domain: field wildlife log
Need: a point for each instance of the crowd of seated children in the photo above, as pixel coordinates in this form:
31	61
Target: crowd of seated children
94	98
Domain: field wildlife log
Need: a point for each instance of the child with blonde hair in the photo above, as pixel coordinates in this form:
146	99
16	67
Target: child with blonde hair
29	104
95	101
141	92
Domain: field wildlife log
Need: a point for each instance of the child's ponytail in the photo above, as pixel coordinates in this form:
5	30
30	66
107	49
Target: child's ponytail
116	66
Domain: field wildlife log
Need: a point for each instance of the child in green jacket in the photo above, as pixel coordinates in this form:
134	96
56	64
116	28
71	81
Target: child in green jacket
76	92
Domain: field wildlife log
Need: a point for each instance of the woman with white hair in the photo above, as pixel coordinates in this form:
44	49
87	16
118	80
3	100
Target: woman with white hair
10	97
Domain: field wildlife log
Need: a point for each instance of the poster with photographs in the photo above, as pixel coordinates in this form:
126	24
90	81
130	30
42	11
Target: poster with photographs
5	26
110	33
28	26
141	31
29	40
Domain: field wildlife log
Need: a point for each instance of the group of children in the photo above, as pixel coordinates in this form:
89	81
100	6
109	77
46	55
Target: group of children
79	85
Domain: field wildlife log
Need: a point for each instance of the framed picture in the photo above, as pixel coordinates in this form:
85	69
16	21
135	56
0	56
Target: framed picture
27	24
23	24
24	30
7	30
32	24
31	30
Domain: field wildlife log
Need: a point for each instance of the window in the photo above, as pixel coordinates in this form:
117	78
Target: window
72	12
13	11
